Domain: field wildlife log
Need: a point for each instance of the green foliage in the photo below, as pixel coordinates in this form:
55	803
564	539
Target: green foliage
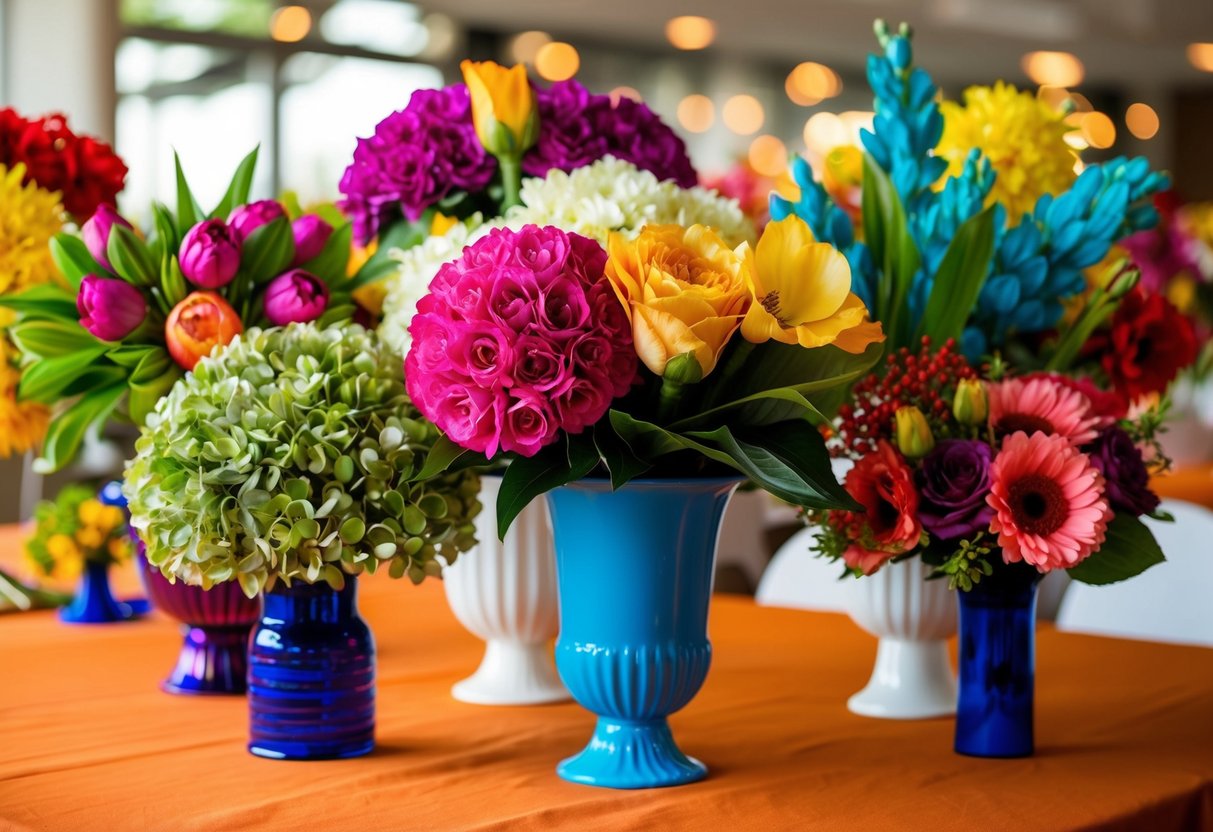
967	565
1128	550
295	454
958	282
887	234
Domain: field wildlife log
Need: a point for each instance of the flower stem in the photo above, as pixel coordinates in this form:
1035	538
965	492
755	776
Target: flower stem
733	366
669	399
511	181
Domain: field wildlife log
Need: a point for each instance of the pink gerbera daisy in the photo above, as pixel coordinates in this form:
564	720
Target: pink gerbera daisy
1041	404
1048	501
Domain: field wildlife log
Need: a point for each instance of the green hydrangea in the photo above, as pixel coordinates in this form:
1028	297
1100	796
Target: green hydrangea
294	454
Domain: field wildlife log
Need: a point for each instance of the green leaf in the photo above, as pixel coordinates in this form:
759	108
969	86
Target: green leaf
48	339
962	273
1128	550
238	190
45	380
887	234
188	210
620	460
788	460
130	257
168	239
401	234
72	258
66	432
96	377
172	283
152	378
331	263
131	355
45	301
442	455
268	251
647	440
567	460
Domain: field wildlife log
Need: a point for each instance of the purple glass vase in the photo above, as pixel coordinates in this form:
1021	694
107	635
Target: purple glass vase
216	621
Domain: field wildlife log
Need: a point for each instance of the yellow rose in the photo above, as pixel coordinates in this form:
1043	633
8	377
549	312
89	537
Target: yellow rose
801	292
503	107
683	291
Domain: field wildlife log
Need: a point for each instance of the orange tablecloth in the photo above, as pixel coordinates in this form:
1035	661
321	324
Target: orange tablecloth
1194	484
87	742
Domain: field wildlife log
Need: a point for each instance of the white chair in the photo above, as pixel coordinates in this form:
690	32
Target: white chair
797	578
1169	602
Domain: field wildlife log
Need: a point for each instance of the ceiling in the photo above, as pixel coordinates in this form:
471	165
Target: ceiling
1123	43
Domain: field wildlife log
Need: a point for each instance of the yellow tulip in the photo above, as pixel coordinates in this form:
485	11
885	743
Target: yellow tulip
503	107
683	291
801	292
970	405
914	437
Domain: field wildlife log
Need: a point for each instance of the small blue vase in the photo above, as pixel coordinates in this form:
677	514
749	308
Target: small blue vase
311	675
93	602
634	569
997	664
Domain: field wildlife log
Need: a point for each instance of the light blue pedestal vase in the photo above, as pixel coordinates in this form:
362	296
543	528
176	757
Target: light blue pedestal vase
634	568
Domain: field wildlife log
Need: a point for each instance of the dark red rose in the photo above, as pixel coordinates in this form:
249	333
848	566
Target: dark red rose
1148	343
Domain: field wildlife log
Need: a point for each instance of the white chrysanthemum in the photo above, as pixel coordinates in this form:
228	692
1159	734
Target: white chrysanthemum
607	196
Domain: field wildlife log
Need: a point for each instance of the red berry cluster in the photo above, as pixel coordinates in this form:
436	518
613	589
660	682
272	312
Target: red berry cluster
926	380
86	172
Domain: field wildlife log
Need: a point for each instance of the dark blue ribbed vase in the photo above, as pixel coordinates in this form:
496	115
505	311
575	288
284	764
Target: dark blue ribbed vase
94	602
311	675
634	568
997	664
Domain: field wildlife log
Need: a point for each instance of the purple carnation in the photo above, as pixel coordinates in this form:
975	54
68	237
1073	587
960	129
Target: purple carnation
953	483
577	128
1126	479
416	157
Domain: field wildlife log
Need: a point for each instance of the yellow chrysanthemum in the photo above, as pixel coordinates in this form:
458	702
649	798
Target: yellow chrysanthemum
22	424
1021	136
29	217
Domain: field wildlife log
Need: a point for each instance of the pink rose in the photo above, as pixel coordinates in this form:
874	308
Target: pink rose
514	298
484	352
540	366
581	404
529	425
563	310
542	251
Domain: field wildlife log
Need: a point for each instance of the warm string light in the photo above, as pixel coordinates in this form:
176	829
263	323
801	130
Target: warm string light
690	32
768	156
1200	55
526	45
557	61
1056	69
743	114
290	24
696	113
1142	121
811	83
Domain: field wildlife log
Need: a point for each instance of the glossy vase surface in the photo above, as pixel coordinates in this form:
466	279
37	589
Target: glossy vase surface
997	664
505	593
311	674
634	570
94	602
913	617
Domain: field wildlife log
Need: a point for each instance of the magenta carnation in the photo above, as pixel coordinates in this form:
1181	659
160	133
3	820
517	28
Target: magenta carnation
416	157
577	128
519	339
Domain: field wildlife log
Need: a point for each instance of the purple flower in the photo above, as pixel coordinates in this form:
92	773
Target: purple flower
96	233
568	136
295	297
635	134
1126	479
210	254
1162	254
109	308
311	236
415	158
953	482
245	219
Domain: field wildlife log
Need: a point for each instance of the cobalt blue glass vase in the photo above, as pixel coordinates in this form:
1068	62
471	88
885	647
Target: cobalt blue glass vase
997	664
311	675
93	602
634	569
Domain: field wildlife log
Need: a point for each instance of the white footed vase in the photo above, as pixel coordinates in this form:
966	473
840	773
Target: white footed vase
505	593
913	618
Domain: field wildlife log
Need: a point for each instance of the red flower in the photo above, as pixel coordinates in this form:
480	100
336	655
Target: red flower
1148	343
884	485
86	172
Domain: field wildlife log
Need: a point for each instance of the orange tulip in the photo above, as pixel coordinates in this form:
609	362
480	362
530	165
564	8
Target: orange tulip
197	325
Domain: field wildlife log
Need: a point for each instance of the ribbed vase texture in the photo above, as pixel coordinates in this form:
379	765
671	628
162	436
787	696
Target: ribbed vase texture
635	576
505	593
913	617
311	679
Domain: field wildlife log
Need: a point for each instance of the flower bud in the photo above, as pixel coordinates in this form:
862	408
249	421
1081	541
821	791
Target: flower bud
245	219
898	52
914	438
295	297
311	235
110	309
96	233
970	405
210	254
503	107
684	369
197	325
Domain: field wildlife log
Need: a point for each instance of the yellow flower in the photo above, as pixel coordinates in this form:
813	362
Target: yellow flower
914	438
970	405
22	424
683	292
29	217
441	224
1022	137
118	548
801	292
89	537
62	547
89	512
503	107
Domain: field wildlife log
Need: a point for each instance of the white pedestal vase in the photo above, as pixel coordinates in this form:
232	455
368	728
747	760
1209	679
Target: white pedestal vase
505	593
913	618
